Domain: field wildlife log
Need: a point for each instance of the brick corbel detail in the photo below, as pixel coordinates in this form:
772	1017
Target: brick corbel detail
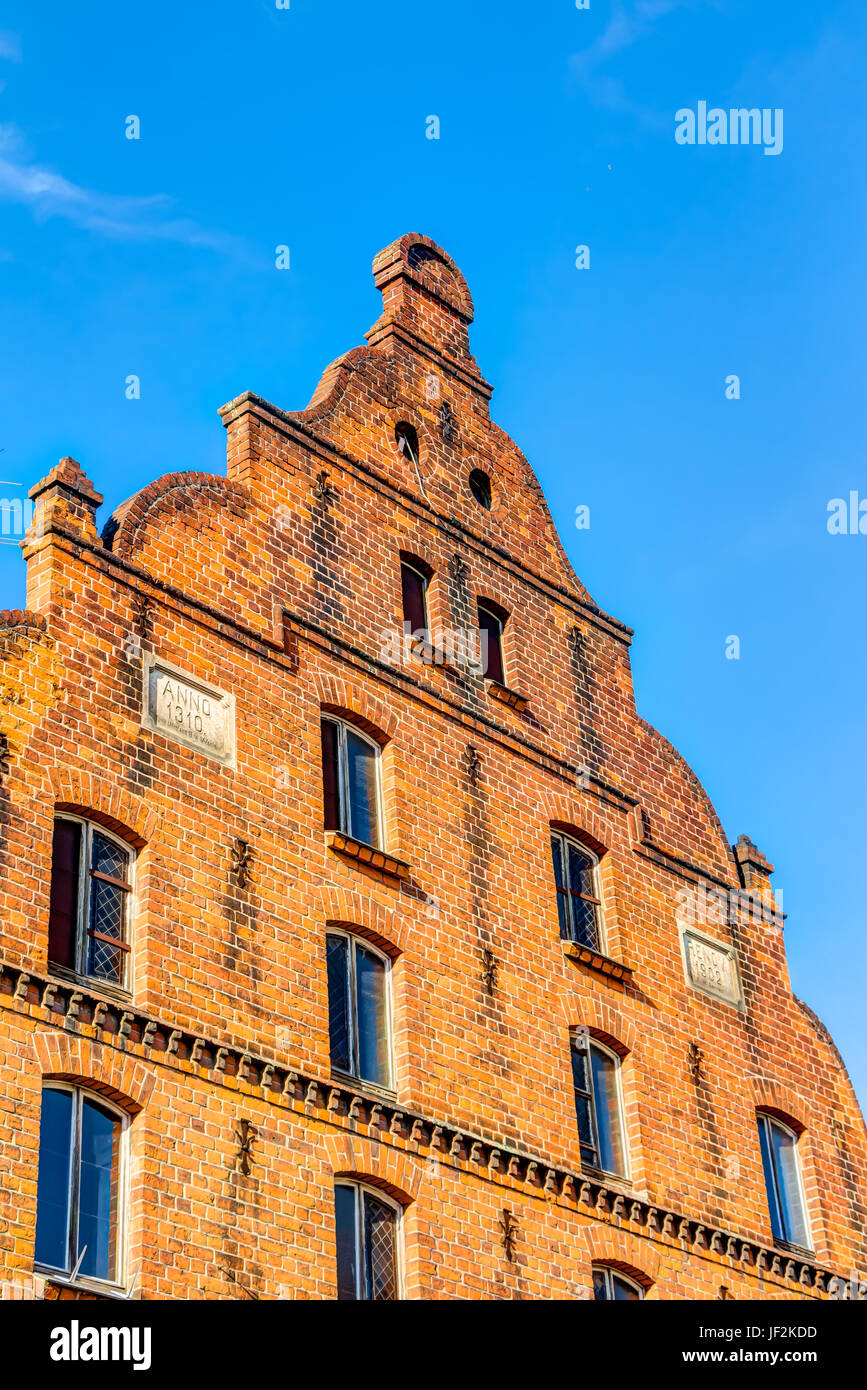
350	1156
343	696
613	1246
78	790
121	1079
382	925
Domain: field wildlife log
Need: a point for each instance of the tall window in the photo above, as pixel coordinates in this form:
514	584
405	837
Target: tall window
88	926
610	1283
575	873
779	1146
491	624
78	1191
350	771
406	437
596	1078
358	1008
413	583
367	1241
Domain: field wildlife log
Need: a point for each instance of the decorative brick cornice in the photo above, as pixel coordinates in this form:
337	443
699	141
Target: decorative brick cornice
139	1038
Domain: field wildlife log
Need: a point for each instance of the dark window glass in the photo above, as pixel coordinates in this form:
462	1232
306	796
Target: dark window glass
492	629
608	1284
98	1189
339	1015
577	903
358	1010
597	1107
54	1183
380	1248
330	774
361	777
779	1148
371	986
347	1243
350	782
366	1245
480	487
88	919
414	589
78	1189
63	917
407	443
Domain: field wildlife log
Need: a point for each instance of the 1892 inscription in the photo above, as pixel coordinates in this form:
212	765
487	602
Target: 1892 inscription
712	968
191	713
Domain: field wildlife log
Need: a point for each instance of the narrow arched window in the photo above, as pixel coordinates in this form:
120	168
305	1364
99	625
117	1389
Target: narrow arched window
492	623
351	782
598	1105
610	1283
786	1204
359	1008
78	1200
368	1235
413	586
578	904
91	888
406	438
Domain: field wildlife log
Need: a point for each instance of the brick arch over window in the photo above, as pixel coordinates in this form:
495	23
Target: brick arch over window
124	1080
384	926
100	800
605	1022
347	698
567	813
611	1245
349	1156
776	1099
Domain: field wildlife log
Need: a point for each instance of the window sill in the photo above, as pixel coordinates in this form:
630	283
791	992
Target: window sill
610	1180
366	854
595	960
802	1252
119	993
64	1289
366	1088
507	697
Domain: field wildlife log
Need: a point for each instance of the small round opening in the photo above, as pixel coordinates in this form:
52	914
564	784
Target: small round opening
480	487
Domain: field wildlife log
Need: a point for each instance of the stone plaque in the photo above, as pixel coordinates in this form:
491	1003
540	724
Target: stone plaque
711	967
181	707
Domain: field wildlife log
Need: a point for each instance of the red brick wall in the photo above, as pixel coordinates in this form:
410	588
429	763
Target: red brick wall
279	585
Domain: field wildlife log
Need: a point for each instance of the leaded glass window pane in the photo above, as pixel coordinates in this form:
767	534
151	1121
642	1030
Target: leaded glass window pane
380	1249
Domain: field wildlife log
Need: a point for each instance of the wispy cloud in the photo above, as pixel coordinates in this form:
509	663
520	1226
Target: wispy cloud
117	216
630	21
10	46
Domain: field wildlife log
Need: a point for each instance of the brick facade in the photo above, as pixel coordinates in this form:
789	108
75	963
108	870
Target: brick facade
279	584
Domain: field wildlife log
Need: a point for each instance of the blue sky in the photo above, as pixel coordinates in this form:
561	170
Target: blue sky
306	127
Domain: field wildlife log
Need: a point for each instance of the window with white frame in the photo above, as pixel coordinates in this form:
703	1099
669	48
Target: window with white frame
351	782
576	878
598	1105
368	1241
610	1283
79	1202
359	1008
91	891
788	1209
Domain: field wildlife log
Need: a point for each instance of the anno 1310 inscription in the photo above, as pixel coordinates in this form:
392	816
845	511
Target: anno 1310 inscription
182	708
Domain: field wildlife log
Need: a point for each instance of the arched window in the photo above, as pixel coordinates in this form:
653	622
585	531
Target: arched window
788	1209
576	880
351	782
492	622
598	1105
406	437
611	1283
414	577
91	888
359	1008
368	1238
82	1142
